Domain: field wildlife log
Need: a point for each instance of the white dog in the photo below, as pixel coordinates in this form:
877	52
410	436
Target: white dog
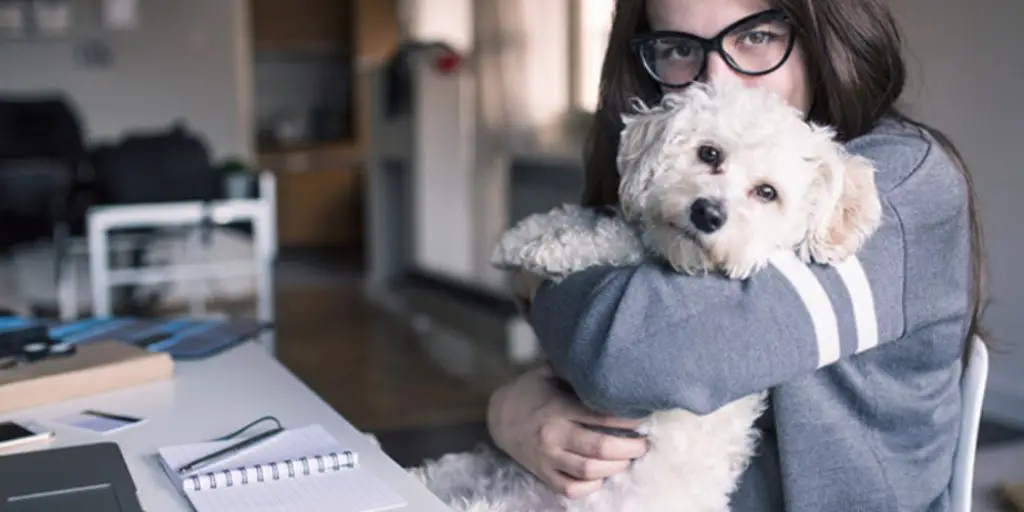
713	179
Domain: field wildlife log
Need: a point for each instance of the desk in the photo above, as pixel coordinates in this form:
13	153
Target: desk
994	465
210	398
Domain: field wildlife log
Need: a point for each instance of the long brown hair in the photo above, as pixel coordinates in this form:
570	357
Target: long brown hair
853	49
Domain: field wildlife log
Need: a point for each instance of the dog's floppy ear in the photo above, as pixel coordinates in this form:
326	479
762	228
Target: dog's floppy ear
644	126
845	208
637	133
635	159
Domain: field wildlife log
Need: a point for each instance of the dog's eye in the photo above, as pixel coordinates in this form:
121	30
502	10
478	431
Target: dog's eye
765	193
709	155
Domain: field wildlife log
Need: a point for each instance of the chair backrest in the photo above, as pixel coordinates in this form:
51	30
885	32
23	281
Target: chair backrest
45	126
972	387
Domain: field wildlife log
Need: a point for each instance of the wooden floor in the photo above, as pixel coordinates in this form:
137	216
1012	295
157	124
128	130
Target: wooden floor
359	359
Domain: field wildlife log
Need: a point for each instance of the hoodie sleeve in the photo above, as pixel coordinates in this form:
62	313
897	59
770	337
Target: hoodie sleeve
638	339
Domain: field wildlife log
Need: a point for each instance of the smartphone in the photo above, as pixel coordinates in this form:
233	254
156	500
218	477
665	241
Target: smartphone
14	434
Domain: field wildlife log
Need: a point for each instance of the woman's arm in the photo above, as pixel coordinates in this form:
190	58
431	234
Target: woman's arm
634	340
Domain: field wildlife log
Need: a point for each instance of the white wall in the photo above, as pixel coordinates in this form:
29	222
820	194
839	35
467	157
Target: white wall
443	143
968	74
513	86
522	64
188	59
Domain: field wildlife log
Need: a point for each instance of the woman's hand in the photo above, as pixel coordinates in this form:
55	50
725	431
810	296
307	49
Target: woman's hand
540	427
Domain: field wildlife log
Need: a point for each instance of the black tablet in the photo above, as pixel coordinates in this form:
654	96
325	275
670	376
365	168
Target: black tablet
85	478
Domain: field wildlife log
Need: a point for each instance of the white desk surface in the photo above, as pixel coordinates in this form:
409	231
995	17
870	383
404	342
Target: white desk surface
207	399
995	465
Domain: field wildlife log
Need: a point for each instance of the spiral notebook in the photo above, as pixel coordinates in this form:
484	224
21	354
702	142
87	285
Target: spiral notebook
299	469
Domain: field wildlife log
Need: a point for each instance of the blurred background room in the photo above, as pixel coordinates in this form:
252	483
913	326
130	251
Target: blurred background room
390	142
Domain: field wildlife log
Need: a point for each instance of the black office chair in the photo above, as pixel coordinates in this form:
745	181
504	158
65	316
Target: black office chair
43	170
44	174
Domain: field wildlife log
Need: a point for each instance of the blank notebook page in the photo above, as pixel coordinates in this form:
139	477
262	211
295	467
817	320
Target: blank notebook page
346	490
355	490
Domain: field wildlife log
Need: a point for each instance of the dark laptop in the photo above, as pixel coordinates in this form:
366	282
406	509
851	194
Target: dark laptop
85	478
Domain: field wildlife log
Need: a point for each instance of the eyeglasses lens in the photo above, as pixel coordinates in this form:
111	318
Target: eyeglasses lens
749	49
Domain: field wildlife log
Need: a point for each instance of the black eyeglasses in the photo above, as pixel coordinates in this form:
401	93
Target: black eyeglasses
753	46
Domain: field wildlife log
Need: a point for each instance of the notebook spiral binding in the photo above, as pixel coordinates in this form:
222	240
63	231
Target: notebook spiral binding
259	473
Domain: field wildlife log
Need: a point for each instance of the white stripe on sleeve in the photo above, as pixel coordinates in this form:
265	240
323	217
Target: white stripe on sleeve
864	314
817	302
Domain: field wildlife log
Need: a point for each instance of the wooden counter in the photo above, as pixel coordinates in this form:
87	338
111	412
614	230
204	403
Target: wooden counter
321	185
319	195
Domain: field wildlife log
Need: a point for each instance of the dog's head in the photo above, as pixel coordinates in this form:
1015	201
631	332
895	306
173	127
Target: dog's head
722	176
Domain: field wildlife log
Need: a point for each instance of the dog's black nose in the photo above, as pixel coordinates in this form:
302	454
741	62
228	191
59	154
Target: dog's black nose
707	215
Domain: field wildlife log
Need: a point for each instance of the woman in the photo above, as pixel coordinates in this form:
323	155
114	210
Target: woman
863	417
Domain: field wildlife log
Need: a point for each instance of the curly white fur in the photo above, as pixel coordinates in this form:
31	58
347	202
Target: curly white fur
822	204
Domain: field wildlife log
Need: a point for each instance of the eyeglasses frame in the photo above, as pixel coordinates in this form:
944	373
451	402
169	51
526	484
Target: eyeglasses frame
715	44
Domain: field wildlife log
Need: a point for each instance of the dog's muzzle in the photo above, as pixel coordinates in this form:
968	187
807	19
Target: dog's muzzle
707	215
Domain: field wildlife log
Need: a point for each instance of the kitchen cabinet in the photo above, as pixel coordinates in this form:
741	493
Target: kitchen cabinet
321	181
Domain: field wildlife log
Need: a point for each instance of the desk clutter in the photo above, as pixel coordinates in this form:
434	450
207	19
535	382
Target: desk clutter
181	338
111	454
94	368
303	468
43	362
293	469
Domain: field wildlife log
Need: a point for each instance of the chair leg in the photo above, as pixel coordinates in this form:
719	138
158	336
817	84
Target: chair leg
64	273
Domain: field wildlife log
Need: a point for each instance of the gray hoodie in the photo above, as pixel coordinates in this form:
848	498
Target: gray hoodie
862	359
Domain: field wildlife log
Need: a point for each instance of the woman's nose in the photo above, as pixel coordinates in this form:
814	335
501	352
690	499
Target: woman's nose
716	68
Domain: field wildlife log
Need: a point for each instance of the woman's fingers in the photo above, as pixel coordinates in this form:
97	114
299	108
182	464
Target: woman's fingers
574	436
581	488
569	486
596	445
578	412
612	421
540	427
582	468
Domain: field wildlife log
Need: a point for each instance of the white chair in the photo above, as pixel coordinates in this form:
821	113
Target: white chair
261	212
973	392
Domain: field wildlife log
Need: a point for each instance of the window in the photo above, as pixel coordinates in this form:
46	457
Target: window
592	22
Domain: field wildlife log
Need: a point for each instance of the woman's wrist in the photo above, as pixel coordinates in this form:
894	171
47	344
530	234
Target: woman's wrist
494	416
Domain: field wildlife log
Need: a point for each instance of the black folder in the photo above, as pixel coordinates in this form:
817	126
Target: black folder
84	478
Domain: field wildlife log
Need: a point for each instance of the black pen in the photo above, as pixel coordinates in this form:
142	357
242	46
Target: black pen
230	450
107	415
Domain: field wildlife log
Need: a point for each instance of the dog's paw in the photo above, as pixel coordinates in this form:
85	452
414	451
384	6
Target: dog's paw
524	244
567	240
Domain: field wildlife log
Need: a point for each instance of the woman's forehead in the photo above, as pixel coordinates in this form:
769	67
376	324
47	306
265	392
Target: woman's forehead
704	18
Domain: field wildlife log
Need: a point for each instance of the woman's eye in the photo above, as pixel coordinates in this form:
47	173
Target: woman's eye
766	193
679	52
756	37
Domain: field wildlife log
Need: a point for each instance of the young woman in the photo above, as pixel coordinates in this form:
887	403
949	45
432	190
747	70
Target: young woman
863	362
